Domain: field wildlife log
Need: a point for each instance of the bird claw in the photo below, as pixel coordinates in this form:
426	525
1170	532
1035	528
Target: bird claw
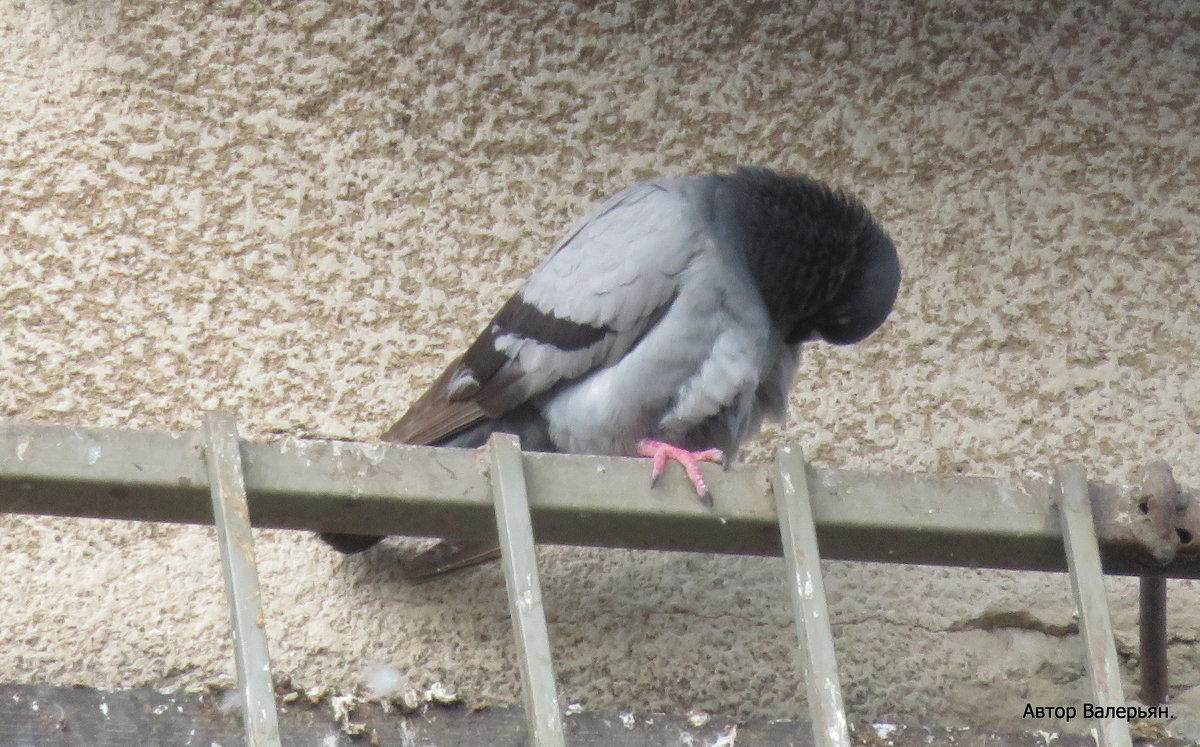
660	452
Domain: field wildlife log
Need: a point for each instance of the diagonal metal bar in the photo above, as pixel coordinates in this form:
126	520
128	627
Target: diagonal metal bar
1087	584
519	560
799	536
232	516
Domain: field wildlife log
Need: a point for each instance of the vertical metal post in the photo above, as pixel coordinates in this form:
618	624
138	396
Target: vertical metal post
1152	632
519	560
232	517
799	537
1087	584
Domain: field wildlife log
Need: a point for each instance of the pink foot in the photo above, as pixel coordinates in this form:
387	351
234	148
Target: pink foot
661	452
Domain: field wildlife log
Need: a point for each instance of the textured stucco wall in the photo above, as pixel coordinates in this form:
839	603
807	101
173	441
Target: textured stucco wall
301	211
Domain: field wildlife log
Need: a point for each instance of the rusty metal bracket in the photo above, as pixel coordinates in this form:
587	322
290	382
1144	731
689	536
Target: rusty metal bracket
1156	516
1164	521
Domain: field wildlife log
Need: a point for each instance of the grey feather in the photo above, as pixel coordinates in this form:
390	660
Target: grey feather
675	311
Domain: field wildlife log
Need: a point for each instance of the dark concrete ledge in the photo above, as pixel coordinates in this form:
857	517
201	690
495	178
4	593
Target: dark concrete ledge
45	716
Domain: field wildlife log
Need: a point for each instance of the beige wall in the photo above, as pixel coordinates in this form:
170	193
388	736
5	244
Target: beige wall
300	213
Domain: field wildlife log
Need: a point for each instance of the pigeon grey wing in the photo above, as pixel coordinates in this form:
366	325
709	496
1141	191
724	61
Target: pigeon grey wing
582	308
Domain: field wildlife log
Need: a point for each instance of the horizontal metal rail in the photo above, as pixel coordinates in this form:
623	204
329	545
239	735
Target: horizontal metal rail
344	486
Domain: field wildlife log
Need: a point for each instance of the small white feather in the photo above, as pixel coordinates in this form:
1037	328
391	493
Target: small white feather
384	681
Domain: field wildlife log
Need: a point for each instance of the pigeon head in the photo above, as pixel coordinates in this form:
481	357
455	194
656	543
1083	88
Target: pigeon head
825	269
865	298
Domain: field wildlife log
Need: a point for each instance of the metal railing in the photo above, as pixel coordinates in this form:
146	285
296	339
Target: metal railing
789	508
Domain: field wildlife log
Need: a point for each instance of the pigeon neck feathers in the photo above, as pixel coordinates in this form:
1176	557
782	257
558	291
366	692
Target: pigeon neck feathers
823	266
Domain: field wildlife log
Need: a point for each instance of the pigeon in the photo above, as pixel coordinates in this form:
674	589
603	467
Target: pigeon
667	324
